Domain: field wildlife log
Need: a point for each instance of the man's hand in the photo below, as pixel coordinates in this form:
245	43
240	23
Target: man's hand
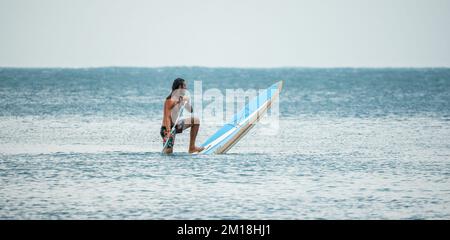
183	99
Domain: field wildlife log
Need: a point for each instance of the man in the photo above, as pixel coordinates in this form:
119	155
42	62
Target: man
172	106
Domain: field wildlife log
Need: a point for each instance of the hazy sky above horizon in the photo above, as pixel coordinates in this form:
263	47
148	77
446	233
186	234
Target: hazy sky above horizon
244	33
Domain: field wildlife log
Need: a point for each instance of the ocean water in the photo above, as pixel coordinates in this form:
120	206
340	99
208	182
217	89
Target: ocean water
352	144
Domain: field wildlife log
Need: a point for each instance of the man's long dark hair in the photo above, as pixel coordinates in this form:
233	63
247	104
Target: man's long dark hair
177	83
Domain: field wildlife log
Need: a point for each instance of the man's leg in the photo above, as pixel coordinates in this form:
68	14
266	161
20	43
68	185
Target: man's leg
169	148
194	124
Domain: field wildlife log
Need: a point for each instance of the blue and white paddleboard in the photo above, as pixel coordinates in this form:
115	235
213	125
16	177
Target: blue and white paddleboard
227	136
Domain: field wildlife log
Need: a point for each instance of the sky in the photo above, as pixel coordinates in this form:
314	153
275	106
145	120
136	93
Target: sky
228	33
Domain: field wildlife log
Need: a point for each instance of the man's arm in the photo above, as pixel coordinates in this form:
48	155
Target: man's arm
188	104
168	105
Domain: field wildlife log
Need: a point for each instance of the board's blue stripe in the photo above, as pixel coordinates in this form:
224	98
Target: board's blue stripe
250	108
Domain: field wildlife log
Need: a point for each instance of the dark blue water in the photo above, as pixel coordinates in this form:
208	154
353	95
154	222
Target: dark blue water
352	144
138	91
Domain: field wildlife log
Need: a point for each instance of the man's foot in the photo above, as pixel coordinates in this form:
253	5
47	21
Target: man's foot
196	149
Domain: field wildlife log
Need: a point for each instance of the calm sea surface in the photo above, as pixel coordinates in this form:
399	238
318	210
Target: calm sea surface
351	144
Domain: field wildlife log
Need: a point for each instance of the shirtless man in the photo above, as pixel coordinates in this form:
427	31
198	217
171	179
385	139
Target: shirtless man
172	106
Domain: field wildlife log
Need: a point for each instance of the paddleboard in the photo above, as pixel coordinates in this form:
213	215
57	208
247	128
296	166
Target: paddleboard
244	120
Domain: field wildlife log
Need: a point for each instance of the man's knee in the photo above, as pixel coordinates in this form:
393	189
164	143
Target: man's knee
195	121
168	150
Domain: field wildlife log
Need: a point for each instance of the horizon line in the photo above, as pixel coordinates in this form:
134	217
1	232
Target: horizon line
225	67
